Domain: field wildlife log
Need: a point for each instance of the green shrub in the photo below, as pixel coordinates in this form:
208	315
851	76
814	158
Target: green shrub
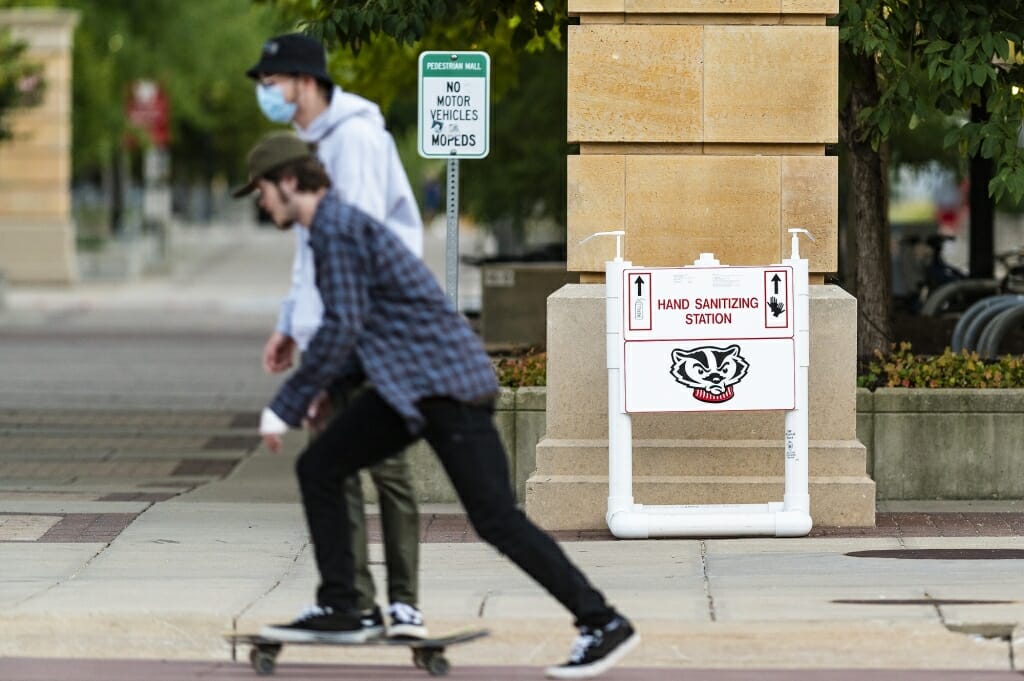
901	368
522	371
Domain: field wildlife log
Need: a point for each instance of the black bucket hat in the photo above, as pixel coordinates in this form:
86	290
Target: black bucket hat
292	53
273	151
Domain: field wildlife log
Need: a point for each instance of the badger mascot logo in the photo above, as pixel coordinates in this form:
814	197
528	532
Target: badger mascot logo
710	371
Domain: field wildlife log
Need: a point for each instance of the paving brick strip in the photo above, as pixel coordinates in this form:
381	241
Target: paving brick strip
112	419
29	669
439	528
456	528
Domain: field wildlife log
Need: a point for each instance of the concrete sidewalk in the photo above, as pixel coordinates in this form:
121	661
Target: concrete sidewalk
140	518
121	536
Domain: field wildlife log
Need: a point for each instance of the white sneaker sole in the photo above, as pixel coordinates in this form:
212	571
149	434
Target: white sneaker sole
373	632
286	635
407	631
596	668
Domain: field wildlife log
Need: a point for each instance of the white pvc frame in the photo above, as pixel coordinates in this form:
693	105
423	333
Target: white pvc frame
627	520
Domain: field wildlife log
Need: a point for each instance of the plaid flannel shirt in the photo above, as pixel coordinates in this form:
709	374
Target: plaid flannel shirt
382	307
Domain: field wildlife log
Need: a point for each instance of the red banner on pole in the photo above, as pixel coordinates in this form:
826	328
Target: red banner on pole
149	111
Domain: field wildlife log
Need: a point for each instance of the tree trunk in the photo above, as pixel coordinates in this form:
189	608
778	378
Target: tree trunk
872	267
117	182
982	248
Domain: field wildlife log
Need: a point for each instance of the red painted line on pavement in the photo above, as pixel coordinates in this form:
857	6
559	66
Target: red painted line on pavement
36	669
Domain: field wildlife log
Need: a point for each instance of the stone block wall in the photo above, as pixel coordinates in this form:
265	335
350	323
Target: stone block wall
702	127
37	235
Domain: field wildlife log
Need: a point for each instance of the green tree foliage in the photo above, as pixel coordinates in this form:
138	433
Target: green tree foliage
197	56
21	81
355	23
946	57
196	51
375	55
908	61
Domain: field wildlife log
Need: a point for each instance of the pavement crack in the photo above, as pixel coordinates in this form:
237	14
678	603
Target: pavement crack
937	608
82	568
427	525
60	582
483	604
271	588
707	581
899	535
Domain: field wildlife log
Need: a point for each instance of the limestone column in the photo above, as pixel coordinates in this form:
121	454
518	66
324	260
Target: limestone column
37	234
702	127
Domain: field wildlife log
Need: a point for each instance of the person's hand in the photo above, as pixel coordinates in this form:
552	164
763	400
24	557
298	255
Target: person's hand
273	442
278	353
271	430
319	412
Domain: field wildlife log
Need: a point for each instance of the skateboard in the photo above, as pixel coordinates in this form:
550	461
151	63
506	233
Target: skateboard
427	653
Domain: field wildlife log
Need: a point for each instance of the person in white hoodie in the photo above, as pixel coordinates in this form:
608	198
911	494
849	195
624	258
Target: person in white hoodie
361	159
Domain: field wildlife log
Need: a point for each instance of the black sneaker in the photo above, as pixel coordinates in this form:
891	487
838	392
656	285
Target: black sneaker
406	621
596	650
319	624
373	622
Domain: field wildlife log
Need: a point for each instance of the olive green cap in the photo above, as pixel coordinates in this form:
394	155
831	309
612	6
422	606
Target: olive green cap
273	151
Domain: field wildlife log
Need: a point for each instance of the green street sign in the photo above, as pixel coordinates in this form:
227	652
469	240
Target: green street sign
454	104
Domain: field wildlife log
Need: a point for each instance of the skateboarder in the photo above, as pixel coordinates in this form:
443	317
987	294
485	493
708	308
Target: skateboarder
429	377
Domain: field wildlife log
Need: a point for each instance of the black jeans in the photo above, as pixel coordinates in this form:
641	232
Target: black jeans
464	438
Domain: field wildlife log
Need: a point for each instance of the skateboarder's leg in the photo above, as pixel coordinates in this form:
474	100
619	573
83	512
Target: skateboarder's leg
400	523
356	505
468	445
368	431
365	433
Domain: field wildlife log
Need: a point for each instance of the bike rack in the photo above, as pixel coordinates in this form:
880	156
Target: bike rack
992	336
933	304
970	325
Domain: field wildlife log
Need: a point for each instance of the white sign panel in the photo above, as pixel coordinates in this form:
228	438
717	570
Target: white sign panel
706	375
708	302
454	104
708	339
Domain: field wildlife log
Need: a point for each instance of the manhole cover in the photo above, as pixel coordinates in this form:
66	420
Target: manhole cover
917	601
942	554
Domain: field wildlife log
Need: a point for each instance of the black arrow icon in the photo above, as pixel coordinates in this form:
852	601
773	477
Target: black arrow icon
776	280
639	286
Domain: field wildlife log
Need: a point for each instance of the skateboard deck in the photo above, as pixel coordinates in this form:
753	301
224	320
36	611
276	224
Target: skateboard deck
427	653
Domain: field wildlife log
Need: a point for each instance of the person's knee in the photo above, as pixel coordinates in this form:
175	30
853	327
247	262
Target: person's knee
497	525
308	469
394	470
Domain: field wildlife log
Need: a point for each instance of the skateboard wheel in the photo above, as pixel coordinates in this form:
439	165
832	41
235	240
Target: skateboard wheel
418	658
437	664
263	661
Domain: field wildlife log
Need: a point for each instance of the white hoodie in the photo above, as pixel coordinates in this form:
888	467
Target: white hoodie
365	170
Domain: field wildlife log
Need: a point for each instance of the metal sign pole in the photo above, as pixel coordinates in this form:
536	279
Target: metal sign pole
451	259
454	101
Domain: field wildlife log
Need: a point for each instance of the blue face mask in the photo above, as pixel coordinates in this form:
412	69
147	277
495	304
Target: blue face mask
273	104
